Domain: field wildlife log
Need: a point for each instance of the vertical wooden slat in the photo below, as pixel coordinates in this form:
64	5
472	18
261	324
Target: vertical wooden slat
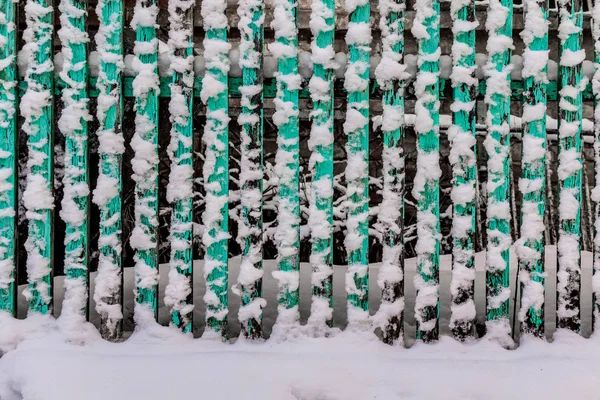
426	29
391	76
287	167
73	124
216	165
179	290
497	145
145	160
37	109
356	127
8	155
250	234
530	246
596	191
464	162
570	165
108	293
320	219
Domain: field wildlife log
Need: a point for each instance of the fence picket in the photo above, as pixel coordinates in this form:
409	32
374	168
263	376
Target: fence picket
464	162
287	168
570	166
178	292
37	109
391	75
530	246
145	160
8	156
250	235
73	124
497	146
596	191
320	144
356	128
216	165
426	190
108	293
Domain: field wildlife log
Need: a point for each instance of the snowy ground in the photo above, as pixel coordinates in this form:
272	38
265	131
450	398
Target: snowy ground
157	365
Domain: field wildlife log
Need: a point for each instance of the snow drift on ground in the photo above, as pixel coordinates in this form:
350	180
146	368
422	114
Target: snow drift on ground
159	363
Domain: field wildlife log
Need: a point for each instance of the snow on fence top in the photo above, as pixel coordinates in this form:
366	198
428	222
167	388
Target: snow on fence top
433	129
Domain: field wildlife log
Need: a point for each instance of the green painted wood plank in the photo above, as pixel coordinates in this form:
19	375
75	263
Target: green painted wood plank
426	190
250	235
145	162
464	170
530	246
287	162
180	190
570	166
216	167
73	124
108	293
320	219
37	109
8	156
392	75
497	145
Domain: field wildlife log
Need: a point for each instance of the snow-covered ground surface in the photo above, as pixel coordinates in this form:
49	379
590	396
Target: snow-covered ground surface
156	364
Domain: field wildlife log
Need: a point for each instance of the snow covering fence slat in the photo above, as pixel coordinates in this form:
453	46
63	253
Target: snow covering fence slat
497	145
37	109
108	293
250	235
287	163
426	189
73	124
530	246
570	165
178	293
372	89
462	156
321	163
8	156
145	161
216	166
356	127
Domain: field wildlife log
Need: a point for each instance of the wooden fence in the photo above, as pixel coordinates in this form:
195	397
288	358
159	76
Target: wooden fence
29	90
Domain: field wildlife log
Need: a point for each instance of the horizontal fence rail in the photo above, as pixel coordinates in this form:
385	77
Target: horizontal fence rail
486	123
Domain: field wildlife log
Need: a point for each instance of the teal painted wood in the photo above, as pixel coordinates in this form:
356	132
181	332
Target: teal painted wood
250	235
8	156
180	190
287	167
570	166
320	219
37	109
426	29
356	127
73	124
391	76
216	168
596	191
497	145
464	169
530	246
270	89
145	161
108	293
